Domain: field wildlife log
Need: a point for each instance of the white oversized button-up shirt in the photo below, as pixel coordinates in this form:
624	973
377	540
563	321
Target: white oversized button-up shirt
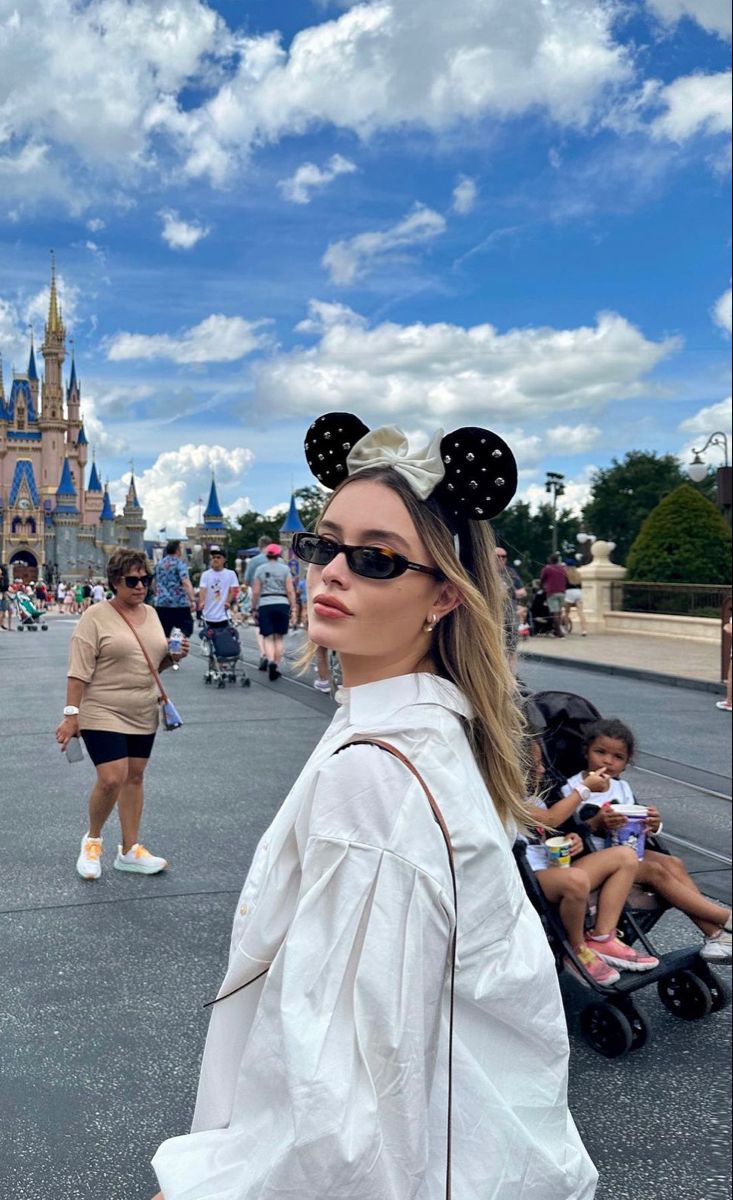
327	1078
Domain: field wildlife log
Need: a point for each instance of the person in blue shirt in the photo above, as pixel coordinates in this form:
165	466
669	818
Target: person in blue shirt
175	599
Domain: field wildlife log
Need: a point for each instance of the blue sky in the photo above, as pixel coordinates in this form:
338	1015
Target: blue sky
498	212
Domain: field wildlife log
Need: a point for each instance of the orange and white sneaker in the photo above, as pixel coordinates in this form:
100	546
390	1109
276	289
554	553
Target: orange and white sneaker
139	860
593	965
89	862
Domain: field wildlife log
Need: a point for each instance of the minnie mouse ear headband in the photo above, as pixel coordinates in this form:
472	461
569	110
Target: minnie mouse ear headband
471	472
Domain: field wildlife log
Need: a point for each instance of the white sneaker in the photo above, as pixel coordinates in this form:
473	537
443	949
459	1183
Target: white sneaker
139	860
322	685
89	862
717	948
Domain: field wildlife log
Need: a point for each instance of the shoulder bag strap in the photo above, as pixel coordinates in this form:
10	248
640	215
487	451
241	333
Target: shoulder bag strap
440	820
153	672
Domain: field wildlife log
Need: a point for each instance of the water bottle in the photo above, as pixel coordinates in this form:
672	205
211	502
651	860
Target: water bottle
74	752
175	645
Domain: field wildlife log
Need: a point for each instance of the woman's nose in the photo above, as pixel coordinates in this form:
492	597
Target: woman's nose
337	571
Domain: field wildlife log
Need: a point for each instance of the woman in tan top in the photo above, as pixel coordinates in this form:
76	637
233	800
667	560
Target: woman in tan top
112	702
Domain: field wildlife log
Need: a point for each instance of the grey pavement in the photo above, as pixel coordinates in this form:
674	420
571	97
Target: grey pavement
101	1017
686	662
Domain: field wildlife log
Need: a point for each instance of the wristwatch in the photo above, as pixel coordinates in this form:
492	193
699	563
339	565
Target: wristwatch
71	711
584	792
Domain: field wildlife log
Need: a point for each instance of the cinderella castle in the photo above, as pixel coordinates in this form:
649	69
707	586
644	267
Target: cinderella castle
56	520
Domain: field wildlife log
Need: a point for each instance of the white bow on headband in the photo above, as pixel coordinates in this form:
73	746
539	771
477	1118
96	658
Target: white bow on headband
388	447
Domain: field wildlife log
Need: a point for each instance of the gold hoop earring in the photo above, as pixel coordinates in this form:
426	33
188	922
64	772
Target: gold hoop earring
430	624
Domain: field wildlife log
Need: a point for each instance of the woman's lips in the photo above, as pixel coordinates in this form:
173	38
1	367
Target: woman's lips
330	609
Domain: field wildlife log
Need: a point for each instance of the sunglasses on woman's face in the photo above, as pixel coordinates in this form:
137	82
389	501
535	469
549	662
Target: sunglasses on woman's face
371	562
131	581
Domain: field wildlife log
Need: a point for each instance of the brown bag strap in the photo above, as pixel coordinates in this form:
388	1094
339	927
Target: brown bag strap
440	820
359	741
153	672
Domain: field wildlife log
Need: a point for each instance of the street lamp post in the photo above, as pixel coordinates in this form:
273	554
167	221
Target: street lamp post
698	469
555	486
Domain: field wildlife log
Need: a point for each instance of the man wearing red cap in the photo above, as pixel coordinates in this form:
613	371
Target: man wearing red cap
273	602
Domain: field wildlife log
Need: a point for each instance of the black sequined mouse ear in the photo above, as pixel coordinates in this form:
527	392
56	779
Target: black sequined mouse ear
327	445
480	474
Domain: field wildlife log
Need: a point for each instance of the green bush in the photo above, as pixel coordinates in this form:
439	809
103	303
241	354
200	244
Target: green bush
685	539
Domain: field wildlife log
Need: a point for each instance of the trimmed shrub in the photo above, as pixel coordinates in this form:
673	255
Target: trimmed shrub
685	539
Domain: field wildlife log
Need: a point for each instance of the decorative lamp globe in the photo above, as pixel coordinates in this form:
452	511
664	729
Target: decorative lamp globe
697	469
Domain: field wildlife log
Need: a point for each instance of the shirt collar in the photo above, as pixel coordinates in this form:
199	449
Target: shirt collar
376	702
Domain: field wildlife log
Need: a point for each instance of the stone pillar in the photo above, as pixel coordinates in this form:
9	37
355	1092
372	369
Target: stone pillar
597	576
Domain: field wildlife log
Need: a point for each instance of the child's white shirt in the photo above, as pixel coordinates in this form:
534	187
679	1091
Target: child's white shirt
618	792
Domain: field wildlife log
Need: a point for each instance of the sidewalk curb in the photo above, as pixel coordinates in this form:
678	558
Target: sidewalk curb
696	685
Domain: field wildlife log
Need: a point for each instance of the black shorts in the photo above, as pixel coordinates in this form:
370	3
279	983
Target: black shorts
175	618
274	620
105	746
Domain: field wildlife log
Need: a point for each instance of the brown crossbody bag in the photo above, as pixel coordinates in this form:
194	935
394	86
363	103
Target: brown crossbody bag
437	814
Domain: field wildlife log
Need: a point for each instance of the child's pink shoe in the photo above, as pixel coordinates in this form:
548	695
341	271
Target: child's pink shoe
618	954
594	966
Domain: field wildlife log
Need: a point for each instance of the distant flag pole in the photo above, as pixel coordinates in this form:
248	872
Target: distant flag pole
200	502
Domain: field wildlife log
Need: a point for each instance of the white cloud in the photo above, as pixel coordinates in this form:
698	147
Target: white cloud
215	339
382	66
242	504
95	224
169	491
277	510
694	104
100	438
713	15
465	194
309	178
572	439
706	420
722	311
453	374
179	234
347	260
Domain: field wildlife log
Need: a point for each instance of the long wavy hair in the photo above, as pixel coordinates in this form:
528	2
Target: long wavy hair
467	646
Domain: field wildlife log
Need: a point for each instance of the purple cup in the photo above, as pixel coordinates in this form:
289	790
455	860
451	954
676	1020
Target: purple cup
633	833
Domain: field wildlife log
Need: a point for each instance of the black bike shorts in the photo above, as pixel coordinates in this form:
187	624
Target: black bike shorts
103	745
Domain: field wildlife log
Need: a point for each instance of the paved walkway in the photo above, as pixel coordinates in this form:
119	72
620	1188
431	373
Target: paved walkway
683	661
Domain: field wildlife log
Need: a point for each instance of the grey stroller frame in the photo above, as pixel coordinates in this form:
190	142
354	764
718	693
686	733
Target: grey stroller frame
224	662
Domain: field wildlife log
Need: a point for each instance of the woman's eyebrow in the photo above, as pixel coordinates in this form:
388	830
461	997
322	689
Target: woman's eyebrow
367	535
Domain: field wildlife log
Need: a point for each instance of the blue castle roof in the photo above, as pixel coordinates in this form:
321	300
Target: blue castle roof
213	516
73	385
292	522
23	472
82	439
66	492
131	500
21	390
95	483
107	513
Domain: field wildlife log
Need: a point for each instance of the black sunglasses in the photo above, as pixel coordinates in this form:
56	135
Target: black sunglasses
131	581
371	562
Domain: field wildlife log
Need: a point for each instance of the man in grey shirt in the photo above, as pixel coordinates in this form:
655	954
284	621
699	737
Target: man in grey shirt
249	578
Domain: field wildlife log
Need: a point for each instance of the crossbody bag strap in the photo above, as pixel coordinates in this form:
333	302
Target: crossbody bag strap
440	820
153	672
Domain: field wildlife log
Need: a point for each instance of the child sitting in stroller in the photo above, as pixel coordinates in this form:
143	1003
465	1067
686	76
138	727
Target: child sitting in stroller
609	748
612	871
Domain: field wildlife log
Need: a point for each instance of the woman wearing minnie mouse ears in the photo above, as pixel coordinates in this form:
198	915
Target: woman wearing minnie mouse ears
390	1026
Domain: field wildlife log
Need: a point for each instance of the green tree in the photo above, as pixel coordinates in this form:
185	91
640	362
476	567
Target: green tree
684	540
309	501
624	494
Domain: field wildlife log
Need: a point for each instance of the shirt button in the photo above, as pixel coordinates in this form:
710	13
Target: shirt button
244	909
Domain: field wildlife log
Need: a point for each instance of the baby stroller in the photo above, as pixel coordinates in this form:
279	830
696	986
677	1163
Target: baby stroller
224	655
686	985
29	617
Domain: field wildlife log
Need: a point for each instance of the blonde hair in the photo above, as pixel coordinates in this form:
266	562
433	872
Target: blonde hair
468	646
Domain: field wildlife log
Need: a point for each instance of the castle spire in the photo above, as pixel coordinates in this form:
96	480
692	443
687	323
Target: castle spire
95	483
213	516
32	372
53	324
132	501
73	385
66	492
107	513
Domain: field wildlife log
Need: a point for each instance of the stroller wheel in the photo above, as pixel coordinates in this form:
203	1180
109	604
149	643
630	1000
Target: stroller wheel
207	678
717	989
685	995
222	683
639	1026
606	1029
245	682
44	628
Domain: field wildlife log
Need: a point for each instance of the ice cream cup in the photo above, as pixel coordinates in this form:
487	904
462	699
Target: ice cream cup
558	851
